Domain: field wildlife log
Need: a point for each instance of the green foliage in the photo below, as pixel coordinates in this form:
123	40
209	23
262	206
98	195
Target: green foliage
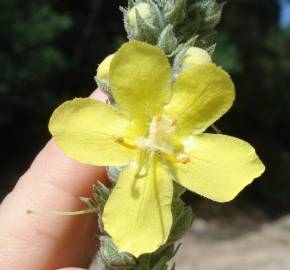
49	51
262	111
29	34
182	216
227	54
29	60
256	51
274	61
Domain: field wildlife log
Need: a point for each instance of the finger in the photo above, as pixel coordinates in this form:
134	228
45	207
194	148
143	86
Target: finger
53	182
99	95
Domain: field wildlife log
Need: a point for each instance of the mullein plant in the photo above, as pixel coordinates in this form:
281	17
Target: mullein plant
154	137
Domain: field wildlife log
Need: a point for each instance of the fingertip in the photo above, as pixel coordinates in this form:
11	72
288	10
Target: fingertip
100	96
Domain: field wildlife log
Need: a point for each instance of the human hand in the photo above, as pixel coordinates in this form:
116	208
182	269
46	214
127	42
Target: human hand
53	182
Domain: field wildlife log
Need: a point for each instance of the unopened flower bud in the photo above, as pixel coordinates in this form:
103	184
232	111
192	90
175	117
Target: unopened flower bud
195	56
143	10
104	68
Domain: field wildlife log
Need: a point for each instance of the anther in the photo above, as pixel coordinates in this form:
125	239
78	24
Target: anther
175	159
158	119
121	141
173	121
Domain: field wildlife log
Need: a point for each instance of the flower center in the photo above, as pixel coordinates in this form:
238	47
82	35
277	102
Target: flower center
161	129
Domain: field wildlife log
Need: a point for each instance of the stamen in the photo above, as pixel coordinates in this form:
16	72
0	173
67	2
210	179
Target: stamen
173	158
121	141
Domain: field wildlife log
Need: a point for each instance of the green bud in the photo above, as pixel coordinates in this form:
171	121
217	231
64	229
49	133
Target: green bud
175	11
144	11
195	56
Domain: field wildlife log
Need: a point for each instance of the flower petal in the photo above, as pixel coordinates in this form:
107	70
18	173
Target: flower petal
220	167
84	130
140	78
138	213
201	95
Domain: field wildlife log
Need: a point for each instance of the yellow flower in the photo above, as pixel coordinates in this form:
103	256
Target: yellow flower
156	131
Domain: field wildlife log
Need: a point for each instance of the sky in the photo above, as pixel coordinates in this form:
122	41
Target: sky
285	13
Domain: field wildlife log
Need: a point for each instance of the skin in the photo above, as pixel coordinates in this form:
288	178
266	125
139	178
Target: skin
53	182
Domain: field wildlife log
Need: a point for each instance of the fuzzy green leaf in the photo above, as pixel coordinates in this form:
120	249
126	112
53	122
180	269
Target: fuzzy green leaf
113	173
112	258
175	11
145	30
167	40
100	194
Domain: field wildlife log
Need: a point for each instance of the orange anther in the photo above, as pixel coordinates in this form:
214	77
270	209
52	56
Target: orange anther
158	118
185	160
173	121
118	139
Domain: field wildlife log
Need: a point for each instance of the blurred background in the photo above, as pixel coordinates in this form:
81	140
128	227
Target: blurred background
49	52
